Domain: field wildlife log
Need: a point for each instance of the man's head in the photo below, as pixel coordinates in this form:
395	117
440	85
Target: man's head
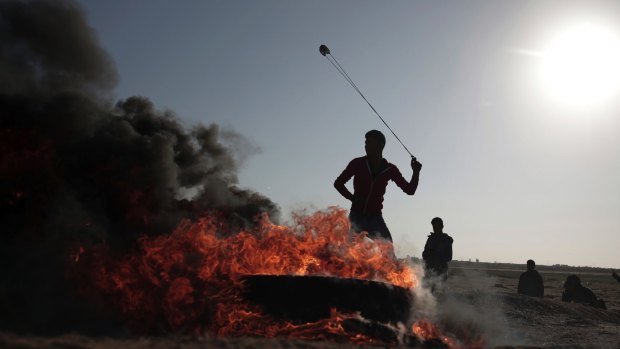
531	265
437	224
572	282
375	141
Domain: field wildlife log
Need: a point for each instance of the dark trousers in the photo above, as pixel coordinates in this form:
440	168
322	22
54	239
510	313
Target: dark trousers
373	224
436	269
436	275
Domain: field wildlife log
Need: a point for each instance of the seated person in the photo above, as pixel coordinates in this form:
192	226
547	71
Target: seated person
575	292
530	282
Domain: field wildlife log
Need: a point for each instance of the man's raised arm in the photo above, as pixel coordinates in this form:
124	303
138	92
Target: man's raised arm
411	186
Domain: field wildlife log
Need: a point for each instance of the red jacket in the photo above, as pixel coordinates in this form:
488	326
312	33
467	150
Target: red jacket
372	189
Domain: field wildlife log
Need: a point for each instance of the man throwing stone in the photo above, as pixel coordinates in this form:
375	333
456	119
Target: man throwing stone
371	174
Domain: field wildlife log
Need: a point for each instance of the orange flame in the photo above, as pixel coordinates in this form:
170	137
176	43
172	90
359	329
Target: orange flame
426	330
190	280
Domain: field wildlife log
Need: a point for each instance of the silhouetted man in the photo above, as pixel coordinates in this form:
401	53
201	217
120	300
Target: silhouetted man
575	292
615	276
530	282
371	174
438	250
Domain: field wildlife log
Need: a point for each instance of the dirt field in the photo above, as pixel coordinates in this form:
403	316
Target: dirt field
541	322
483	300
603	285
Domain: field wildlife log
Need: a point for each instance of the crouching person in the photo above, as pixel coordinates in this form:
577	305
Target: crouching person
575	292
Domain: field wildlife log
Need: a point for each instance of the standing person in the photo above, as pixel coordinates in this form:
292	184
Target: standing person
530	282
438	250
371	174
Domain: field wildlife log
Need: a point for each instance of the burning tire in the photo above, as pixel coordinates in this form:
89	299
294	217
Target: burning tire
310	298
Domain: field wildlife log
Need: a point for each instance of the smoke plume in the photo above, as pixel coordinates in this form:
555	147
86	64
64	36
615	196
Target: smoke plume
77	169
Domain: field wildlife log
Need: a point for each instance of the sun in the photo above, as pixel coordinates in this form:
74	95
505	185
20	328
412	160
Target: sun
581	66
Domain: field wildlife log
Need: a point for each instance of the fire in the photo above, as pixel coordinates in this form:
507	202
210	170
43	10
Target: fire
425	330
190	280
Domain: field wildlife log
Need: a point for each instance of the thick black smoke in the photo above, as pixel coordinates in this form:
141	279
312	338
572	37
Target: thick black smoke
76	169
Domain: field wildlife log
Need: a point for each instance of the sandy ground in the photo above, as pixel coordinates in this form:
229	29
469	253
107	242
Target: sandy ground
484	300
547	322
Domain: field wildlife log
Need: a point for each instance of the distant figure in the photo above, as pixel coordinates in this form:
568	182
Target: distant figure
615	276
371	174
438	250
575	292
530	282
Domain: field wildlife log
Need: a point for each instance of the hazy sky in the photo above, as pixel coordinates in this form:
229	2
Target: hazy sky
515	172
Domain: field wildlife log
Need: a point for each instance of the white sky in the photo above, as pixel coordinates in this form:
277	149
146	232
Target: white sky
514	174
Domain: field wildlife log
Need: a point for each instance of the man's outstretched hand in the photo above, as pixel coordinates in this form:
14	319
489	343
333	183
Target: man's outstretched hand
416	166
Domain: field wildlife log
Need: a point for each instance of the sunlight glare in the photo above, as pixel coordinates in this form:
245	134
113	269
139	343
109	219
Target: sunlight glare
581	67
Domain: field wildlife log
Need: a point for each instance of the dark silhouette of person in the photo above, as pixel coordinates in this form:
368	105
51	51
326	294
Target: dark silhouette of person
530	282
615	276
438	250
371	174
575	292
